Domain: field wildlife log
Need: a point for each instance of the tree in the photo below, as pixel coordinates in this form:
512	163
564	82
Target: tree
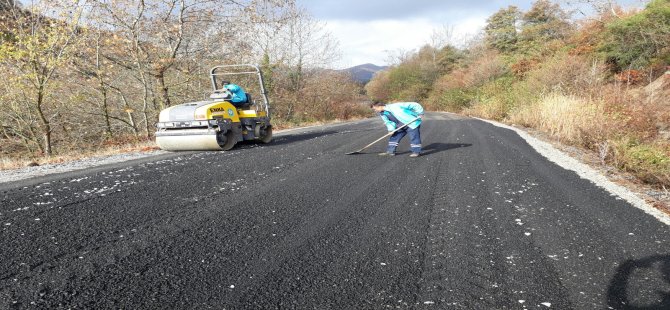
38	50
81	74
379	87
542	24
161	37
501	29
291	44
448	58
102	80
601	7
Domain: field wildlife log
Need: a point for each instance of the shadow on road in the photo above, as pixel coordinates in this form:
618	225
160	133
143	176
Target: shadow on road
292	138
439	147
642	284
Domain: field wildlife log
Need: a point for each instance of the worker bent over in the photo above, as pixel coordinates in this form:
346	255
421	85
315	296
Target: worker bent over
397	115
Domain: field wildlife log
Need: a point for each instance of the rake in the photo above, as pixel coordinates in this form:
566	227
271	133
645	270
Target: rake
386	135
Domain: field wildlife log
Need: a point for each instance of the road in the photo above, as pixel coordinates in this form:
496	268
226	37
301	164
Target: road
480	221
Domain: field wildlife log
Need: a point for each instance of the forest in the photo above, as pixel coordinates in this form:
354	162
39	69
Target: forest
84	76
600	82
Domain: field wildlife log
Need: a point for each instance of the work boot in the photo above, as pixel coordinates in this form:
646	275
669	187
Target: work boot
386	154
414	155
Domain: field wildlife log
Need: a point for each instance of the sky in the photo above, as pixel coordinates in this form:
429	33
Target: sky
369	31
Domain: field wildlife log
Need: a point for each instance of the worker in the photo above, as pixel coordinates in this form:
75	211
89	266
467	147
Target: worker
395	115
237	93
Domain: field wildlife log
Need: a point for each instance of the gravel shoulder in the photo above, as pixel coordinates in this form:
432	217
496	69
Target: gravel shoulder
12	175
48	169
585	164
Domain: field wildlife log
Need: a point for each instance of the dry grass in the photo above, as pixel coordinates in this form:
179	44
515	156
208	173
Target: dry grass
567	118
568	74
621	135
488	109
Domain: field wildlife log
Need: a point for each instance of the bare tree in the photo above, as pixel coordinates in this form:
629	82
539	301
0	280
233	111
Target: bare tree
599	6
85	73
40	47
398	56
293	44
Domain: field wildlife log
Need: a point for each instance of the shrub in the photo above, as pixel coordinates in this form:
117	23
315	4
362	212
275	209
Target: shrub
452	100
488	108
450	93
567	73
411	92
649	162
460	88
639	40
635	116
630	77
378	88
522	66
484	69
501	98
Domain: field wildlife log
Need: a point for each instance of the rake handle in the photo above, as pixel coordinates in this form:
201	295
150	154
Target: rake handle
390	133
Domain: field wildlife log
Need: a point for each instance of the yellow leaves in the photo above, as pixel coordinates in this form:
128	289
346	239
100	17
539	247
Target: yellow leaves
6	51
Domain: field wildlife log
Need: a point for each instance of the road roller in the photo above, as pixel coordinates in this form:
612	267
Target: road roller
218	122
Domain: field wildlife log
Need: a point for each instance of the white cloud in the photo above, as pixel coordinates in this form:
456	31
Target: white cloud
366	29
371	41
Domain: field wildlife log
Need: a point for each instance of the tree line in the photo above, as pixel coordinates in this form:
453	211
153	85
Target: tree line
80	75
600	82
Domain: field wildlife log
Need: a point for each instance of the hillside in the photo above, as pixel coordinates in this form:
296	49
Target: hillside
600	84
364	73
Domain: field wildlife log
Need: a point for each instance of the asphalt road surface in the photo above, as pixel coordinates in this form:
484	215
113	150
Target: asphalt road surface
480	221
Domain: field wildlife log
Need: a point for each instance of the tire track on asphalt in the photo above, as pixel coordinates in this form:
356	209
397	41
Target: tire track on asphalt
477	256
446	282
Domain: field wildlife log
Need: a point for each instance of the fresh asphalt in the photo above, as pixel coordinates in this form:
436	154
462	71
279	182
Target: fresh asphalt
480	221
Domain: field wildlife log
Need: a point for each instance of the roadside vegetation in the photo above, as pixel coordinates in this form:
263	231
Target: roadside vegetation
85	76
602	83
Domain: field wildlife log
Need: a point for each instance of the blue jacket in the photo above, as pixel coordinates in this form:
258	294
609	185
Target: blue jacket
238	93
404	112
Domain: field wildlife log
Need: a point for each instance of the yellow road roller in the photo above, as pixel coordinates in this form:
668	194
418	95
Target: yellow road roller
218	122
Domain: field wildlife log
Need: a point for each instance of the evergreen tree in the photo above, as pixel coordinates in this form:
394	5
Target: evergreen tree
501	31
639	40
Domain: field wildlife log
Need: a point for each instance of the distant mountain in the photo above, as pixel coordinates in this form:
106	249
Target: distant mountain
364	73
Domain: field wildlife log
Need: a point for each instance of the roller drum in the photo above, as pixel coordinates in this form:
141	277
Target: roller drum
188	140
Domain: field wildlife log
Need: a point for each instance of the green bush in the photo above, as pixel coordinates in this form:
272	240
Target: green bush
452	100
407	83
649	162
500	90
639	40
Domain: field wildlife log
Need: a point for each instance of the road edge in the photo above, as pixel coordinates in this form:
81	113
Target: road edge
47	170
584	171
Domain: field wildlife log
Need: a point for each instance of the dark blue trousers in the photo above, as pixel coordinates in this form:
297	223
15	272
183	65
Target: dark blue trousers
414	139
